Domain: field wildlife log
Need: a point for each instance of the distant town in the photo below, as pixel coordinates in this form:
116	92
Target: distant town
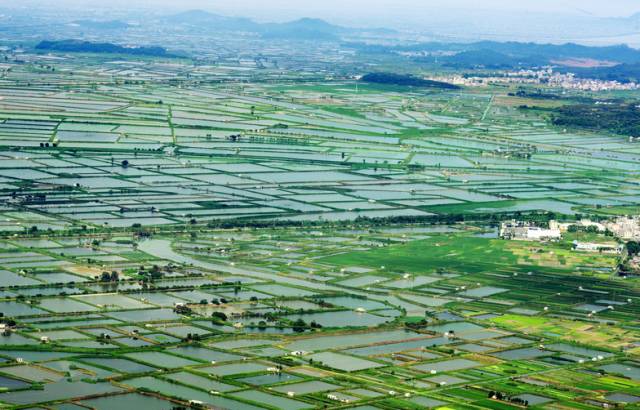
547	77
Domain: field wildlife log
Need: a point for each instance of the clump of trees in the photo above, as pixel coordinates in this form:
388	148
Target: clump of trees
536	94
496	395
633	248
617	118
300	325
107	277
78	46
623	73
628	266
219	317
405	80
154	273
183	310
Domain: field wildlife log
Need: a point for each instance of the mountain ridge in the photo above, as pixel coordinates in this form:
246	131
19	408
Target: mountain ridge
304	28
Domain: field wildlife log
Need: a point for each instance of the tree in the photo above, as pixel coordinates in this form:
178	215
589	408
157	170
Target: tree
633	248
299	325
183	310
220	316
156	272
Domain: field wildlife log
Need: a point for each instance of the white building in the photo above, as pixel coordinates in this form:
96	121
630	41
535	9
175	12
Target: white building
525	231
597	247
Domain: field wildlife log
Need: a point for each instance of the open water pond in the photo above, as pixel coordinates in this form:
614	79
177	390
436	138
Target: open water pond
358	339
625	369
66	306
580	351
271	378
355	303
315	386
235	368
446	365
200	382
344	362
188	393
132	401
273	401
123	365
161	359
58	391
526	353
12	384
341	319
207	355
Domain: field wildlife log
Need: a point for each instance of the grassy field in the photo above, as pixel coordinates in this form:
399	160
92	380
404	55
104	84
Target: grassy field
450	253
465	253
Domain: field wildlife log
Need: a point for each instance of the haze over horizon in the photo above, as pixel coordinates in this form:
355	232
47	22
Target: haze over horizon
403	14
589	22
355	9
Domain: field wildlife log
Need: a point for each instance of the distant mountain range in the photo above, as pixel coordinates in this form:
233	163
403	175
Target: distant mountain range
205	19
613	63
621	63
490	54
302	29
455	28
618	62
495	54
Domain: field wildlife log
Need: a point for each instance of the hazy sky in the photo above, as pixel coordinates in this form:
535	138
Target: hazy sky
326	8
597	7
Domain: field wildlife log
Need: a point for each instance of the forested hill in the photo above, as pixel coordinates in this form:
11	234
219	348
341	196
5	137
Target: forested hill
77	46
618	118
405	80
